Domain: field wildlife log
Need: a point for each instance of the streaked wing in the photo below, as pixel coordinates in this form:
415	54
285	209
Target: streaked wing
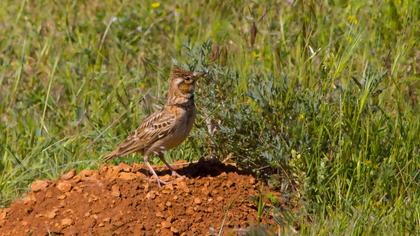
153	128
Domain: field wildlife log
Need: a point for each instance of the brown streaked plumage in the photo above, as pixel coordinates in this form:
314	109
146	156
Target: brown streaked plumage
167	128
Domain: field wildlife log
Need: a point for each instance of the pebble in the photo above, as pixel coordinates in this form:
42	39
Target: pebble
29	199
151	195
52	214
127	176
166	224
197	201
77	179
189	211
68	175
64	186
229	183
115	191
3	214
39	185
124	167
159	214
66	222
86	173
174	230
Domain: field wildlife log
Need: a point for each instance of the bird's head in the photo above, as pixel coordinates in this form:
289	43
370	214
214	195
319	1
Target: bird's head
183	82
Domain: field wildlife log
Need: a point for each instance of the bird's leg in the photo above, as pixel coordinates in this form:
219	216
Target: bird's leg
174	173
146	161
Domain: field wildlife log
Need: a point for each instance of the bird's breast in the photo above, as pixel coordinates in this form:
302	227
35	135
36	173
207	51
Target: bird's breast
184	122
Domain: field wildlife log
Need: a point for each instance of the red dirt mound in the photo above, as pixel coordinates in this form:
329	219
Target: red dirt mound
122	200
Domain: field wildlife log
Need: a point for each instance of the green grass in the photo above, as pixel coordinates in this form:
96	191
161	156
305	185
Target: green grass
325	103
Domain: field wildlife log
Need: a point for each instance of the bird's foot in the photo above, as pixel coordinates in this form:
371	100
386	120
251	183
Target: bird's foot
174	173
160	182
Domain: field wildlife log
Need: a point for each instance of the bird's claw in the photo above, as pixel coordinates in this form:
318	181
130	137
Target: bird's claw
160	182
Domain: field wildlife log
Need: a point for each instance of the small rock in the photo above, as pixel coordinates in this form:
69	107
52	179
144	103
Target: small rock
174	230
197	201
3	214
229	183
159	214
61	197
68	175
181	185
151	195
29	199
166	178
205	191
124	167
166	224
219	198
168	204
210	210
66	222
39	185
103	169
127	176
189	211
64	186
77	179
115	190
137	167
170	219
161	206
86	173
52	214
252	180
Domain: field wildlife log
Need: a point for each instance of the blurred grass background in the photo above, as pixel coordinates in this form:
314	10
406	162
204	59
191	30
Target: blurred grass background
320	97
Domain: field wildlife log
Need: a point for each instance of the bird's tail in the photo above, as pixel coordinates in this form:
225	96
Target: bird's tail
111	155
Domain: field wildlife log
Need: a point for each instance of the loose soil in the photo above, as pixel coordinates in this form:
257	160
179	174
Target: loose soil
123	200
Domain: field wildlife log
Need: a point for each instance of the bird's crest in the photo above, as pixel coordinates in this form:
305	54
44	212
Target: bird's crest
178	72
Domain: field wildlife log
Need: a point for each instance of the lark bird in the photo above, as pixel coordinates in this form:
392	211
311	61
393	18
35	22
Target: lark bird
167	128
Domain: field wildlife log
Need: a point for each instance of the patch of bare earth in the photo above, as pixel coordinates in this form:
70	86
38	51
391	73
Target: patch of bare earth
122	200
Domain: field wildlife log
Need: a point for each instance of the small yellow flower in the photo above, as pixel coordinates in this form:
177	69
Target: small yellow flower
156	5
301	117
256	54
352	20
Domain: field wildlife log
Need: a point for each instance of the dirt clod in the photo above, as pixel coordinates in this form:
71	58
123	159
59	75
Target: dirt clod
197	201
122	200
68	175
39	185
66	222
115	191
64	186
127	176
165	224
